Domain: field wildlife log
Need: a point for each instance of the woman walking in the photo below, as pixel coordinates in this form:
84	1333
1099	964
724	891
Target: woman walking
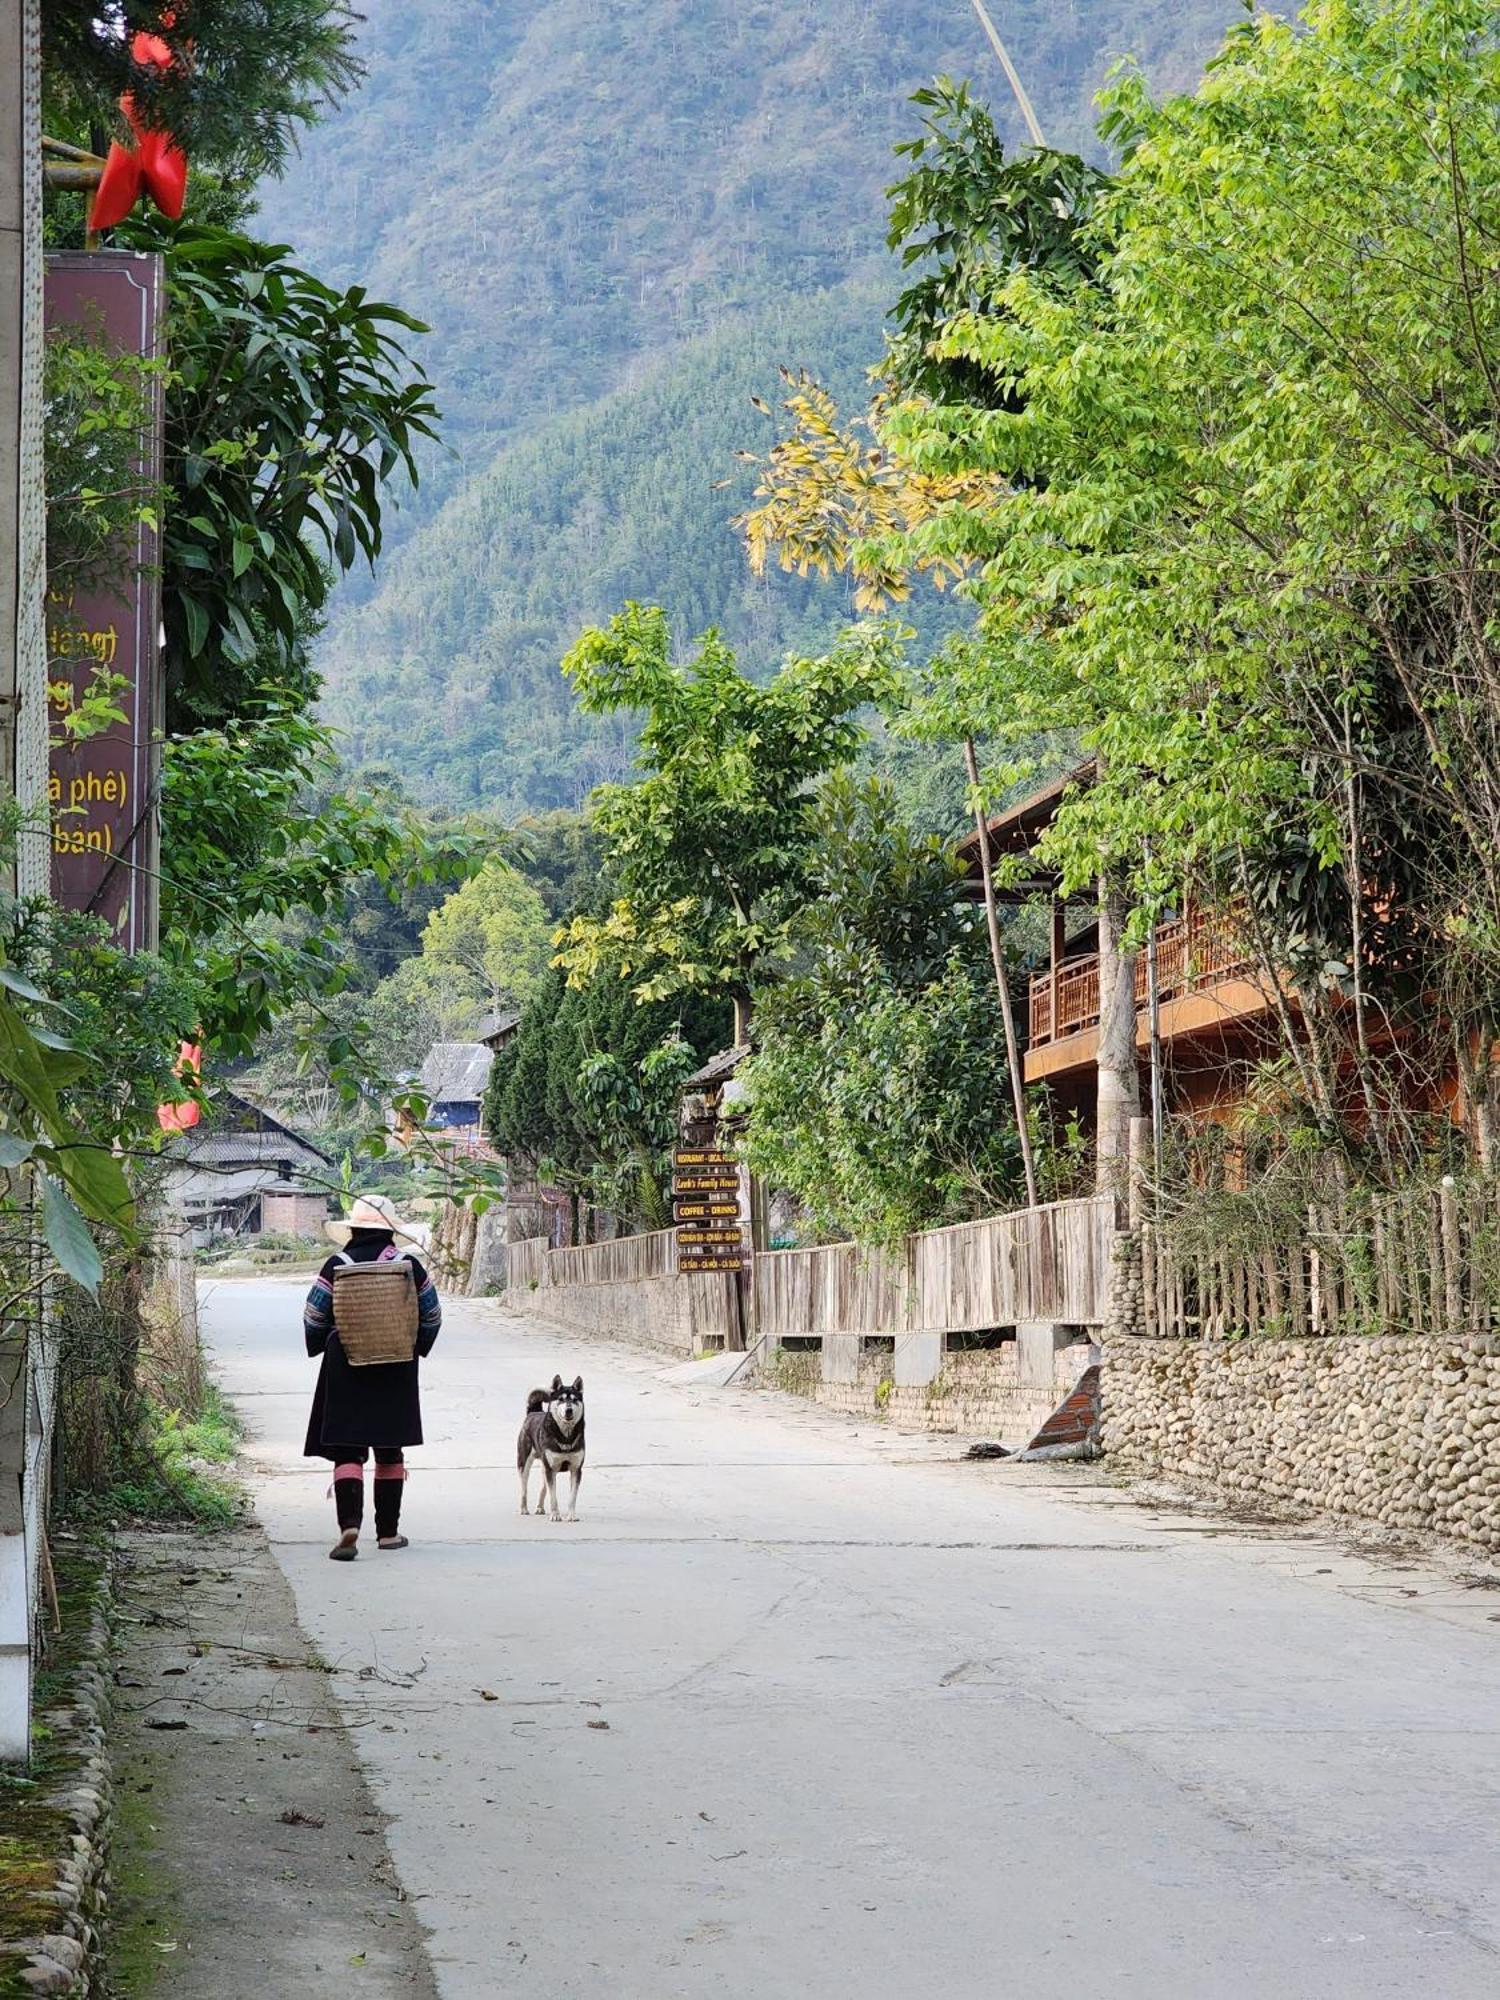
372	1340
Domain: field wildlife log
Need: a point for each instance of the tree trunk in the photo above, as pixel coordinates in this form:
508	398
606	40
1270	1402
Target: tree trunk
1119	1072
742	1018
1477	1085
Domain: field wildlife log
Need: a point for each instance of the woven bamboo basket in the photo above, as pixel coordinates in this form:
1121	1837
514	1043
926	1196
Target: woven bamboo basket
375	1313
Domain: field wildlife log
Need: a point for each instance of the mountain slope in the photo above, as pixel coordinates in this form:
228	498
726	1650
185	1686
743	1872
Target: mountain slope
451	671
560	188
604	212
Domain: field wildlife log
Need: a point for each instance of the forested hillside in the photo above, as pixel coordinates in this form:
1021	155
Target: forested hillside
451	672
653	205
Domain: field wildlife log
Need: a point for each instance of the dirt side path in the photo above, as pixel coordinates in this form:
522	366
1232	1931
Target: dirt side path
248	1857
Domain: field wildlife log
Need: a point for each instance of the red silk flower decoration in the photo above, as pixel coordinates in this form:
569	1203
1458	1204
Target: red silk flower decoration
154	163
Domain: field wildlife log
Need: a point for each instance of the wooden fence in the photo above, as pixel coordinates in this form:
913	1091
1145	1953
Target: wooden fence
1048	1263
1422	1261
616	1262
836	1289
524	1264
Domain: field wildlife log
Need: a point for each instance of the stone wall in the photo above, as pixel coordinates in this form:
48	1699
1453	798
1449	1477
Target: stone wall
1400	1430
976	1393
57	1829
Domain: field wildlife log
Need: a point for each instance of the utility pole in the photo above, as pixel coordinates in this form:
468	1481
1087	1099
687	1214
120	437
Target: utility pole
1119	1083
971	760
1012	74
1002	980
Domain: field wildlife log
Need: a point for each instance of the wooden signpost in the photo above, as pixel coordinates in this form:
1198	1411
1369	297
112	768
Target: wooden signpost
706	1207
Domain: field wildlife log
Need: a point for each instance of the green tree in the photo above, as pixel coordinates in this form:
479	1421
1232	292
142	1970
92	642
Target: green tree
708	852
289	405
422	1002
587	1090
257	875
879	1074
249	71
495	929
1242	525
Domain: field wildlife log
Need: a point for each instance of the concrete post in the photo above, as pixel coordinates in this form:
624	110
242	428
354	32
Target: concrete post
841	1357
1141	1147
919	1359
1037	1342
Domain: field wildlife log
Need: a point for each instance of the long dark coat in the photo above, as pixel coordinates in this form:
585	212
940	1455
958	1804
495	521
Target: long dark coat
380	1406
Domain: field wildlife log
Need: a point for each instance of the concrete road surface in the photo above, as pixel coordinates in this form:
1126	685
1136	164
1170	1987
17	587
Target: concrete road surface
804	1708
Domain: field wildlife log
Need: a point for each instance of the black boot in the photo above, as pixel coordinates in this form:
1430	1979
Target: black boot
390	1484
349	1504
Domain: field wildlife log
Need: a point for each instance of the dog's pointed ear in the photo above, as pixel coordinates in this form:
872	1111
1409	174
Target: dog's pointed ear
557	1383
578	1387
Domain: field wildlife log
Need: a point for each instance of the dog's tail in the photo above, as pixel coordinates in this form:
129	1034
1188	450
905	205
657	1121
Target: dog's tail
537	1400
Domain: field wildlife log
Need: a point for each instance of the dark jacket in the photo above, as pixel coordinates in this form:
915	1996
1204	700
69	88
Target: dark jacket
379	1406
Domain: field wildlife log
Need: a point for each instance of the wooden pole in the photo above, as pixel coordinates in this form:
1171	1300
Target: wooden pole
1002	981
1153	1001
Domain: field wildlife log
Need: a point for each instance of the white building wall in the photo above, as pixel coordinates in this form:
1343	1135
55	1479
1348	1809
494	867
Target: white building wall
28	1357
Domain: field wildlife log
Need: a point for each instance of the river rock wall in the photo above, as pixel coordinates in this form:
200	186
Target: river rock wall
1400	1430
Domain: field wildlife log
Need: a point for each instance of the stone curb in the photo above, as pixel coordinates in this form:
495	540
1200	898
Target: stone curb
66	1958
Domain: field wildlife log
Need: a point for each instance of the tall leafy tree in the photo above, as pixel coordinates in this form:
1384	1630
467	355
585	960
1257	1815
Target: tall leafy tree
290	404
708	851
1240	526
587	1090
880	1066
495	929
968	219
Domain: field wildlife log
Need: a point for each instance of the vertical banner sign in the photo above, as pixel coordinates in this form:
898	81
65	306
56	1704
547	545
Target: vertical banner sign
104	635
706	1208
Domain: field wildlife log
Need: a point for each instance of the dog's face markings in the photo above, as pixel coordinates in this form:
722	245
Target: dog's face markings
567	1403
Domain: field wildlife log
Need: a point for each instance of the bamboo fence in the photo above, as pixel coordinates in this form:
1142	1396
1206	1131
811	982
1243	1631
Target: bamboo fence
1420	1261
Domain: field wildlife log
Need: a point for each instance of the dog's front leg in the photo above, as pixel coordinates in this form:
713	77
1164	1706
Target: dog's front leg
552	1506
576	1469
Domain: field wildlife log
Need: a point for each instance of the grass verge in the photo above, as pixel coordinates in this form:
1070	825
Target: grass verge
178	1470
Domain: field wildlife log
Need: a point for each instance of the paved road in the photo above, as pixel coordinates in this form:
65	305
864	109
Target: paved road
878	1723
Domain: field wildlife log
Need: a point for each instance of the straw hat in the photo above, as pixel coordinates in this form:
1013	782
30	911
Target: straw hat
370	1211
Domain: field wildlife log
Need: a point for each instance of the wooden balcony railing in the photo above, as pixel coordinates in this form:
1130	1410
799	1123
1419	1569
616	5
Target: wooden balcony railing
1192	952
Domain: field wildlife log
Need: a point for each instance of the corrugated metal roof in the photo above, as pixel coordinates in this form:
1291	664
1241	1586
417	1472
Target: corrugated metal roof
456	1072
221	1149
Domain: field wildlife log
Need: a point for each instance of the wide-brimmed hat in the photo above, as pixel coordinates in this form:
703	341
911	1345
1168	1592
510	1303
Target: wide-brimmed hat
370	1211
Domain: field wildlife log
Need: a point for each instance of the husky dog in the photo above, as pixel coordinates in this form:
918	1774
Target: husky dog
552	1437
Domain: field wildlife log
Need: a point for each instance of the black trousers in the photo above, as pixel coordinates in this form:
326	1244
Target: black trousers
349	1486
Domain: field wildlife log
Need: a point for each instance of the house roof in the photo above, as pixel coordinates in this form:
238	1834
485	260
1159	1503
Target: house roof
1017	829
718	1069
238	1132
496	1029
456	1072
